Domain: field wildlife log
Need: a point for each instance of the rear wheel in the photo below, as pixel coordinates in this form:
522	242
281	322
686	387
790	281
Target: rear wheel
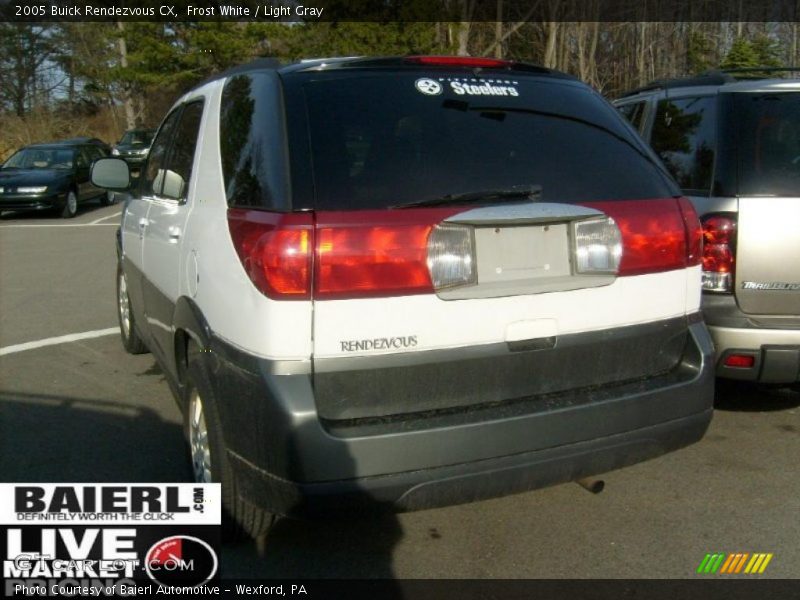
208	454
127	326
70	206
108	199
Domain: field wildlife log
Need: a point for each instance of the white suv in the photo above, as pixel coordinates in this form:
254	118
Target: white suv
410	282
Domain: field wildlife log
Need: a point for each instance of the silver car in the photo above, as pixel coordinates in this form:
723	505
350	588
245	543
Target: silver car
732	141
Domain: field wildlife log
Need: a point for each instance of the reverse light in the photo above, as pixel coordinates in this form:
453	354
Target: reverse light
719	236
451	259
598	246
460	61
39	189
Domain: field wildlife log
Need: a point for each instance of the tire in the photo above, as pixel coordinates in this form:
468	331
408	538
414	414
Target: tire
70	206
209	458
108	199
127	325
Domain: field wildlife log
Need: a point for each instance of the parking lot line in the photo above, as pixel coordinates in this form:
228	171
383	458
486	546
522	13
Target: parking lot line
96	221
62	339
62	225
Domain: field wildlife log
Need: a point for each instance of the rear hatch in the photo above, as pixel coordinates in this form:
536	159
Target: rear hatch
767	278
481	236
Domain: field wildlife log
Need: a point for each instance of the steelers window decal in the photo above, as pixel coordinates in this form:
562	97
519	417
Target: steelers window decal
181	560
429	87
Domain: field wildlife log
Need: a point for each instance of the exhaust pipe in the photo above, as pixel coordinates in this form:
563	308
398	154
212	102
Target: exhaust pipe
595	486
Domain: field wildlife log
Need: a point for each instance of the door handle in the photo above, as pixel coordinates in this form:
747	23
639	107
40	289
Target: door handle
142	223
174	233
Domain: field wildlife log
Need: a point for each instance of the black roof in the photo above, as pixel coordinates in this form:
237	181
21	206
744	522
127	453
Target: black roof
273	64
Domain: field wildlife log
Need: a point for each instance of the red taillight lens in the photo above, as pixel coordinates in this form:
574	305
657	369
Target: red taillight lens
694	232
374	253
460	61
275	250
654	234
719	236
740	361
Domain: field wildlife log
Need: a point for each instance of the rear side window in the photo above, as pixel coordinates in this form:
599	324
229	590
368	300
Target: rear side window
684	136
384	139
634	112
768	132
252	144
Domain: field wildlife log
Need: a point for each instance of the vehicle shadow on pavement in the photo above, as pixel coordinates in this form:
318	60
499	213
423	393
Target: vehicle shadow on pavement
744	396
352	537
35	216
50	438
336	548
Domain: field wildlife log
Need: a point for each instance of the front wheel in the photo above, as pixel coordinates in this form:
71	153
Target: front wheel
127	325
71	205
209	458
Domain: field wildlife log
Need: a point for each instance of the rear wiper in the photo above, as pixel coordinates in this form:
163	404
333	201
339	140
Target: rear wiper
531	193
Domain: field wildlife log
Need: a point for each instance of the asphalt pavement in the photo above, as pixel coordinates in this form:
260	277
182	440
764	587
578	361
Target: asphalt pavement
84	410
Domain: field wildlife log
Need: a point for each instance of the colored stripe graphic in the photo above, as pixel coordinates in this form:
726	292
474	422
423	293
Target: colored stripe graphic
735	563
711	563
764	564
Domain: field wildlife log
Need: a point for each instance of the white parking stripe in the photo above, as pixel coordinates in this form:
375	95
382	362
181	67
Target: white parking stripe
62	339
96	221
62	225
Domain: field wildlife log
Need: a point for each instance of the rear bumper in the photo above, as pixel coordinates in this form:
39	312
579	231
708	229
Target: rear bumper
292	462
773	342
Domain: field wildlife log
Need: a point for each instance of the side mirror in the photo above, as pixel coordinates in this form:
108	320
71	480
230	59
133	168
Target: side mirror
174	185
111	174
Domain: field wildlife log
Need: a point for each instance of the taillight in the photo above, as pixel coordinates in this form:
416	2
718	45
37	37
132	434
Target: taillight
654	234
275	250
740	361
460	61
719	236
694	232
381	253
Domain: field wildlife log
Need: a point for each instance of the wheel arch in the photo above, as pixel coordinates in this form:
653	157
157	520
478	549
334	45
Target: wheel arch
192	335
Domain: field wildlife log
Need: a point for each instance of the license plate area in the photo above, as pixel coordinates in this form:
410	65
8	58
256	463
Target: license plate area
514	260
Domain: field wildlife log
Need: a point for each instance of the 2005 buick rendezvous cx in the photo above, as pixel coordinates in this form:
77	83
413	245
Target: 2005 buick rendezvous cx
411	282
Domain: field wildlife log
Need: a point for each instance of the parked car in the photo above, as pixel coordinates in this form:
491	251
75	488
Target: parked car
134	146
410	282
734	147
88	140
51	176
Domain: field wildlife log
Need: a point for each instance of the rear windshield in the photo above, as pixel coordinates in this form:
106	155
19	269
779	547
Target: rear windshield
768	149
385	139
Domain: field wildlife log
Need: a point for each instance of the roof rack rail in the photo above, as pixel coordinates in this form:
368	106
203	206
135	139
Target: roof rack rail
707	78
758	72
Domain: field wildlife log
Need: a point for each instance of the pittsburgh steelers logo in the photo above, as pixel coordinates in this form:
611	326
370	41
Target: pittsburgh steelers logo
428	86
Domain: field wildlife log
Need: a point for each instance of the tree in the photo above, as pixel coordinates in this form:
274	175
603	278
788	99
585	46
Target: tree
742	55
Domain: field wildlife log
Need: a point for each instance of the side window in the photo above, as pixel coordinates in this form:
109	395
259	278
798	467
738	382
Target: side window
182	156
251	143
82	159
634	112
684	136
151	182
96	152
